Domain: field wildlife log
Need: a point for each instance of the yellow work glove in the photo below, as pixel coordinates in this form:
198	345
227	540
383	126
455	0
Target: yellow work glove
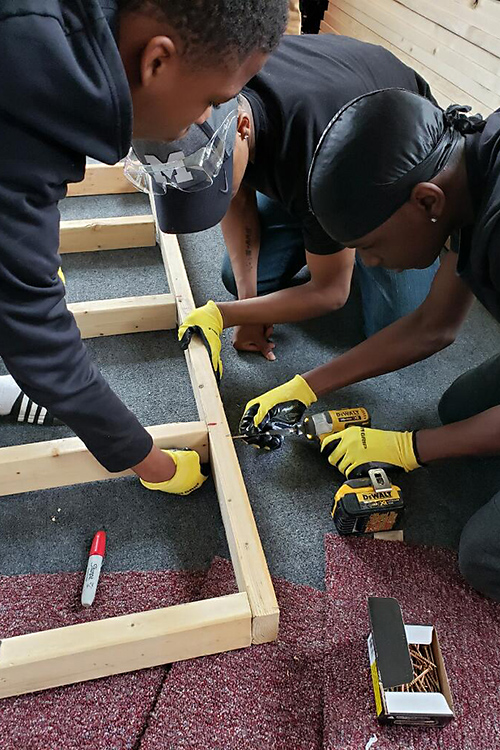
356	449
61	275
284	406
207	322
187	477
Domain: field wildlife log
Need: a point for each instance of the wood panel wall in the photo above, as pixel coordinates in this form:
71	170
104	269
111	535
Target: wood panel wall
453	44
294	18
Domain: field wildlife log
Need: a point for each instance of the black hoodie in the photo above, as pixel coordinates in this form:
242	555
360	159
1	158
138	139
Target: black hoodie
63	96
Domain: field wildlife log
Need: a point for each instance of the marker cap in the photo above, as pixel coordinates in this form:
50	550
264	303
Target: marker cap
98	544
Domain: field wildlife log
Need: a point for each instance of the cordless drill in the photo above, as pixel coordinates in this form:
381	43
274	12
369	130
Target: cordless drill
368	501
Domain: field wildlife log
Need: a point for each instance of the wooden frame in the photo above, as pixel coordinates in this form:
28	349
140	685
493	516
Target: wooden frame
145	639
102	180
110	317
87	235
37	661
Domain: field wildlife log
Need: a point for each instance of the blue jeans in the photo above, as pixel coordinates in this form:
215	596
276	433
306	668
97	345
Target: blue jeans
386	295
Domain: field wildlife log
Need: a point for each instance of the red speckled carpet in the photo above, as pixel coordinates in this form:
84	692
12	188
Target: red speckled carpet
309	690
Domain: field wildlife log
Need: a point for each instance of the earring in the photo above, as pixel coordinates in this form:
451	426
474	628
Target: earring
246	137
433	219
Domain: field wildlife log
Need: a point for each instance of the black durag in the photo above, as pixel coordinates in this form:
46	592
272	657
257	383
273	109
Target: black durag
373	153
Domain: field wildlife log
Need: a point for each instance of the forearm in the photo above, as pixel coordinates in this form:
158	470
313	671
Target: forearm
476	436
430	328
41	347
401	344
284	306
241	231
79	396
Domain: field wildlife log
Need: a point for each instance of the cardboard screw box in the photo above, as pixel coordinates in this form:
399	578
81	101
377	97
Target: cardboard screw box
401	697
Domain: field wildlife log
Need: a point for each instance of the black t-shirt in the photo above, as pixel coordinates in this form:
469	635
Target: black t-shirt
294	97
479	245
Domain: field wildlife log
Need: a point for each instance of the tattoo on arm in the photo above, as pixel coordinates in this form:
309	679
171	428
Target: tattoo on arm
248	245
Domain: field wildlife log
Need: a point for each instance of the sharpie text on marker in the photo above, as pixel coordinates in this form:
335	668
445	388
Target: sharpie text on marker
94	564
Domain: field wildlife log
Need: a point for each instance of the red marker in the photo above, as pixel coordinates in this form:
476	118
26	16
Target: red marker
94	564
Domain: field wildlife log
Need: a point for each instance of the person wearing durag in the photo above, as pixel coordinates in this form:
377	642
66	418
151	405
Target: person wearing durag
395	176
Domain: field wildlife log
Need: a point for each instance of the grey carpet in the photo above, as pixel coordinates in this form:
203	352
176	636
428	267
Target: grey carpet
291	491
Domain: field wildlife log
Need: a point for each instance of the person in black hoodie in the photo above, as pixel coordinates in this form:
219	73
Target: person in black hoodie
76	77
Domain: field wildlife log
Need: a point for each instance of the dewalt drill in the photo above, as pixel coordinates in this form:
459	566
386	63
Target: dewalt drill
368	501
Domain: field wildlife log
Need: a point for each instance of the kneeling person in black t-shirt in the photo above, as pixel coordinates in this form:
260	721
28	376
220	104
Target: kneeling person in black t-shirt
269	230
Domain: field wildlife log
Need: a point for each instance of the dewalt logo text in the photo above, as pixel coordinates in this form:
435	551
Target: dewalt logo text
378	495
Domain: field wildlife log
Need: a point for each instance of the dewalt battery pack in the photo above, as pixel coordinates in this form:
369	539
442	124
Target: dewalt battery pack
358	508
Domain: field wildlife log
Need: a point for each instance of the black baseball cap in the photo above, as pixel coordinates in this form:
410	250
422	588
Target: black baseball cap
191	178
